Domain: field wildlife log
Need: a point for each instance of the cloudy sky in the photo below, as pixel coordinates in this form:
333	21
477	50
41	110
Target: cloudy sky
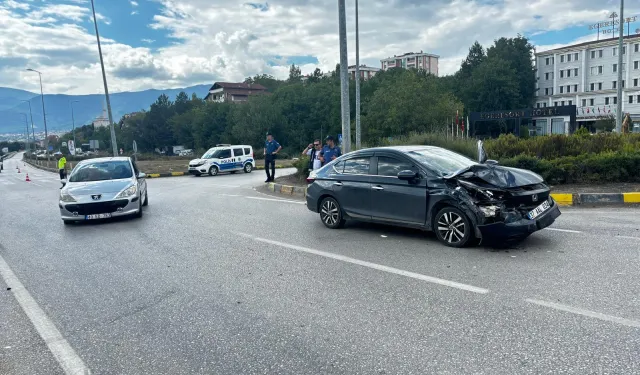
177	43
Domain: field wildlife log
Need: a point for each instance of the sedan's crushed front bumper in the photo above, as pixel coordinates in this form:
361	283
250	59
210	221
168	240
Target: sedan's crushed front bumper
116	207
521	227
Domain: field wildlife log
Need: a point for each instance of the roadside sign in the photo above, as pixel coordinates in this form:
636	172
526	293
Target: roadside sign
340	138
94	144
64	144
135	147
72	147
50	148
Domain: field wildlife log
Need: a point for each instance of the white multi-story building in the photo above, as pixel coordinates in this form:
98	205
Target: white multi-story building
421	61
366	72
586	75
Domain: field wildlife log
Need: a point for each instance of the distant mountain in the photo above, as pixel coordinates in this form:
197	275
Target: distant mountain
88	107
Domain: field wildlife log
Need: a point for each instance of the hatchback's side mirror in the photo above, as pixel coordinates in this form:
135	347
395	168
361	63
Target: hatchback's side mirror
142	175
407	175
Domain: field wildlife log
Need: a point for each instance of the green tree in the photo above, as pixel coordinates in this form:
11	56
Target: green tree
518	53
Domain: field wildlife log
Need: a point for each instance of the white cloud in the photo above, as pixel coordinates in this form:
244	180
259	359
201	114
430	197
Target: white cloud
16	5
134	12
134	3
226	40
101	18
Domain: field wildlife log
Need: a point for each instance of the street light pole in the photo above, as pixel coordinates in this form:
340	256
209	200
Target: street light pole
26	122
32	128
106	89
344	78
73	121
44	116
358	128
620	50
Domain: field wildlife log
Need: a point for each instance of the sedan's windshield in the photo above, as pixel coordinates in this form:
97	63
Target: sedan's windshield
442	161
102	171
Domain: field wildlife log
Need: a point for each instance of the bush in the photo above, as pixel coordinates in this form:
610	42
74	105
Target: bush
585	168
302	167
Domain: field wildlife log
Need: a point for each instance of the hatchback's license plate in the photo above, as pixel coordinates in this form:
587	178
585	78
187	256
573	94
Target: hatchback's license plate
97	216
539	210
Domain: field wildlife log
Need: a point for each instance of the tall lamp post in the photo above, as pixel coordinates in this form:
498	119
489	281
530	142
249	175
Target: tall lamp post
32	128
106	89
344	78
26	122
358	127
44	114
73	121
619	114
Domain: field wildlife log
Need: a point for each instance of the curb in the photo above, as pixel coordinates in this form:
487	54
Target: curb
297	191
595	199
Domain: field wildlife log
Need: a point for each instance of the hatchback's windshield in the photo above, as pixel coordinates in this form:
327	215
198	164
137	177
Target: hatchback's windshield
210	154
441	160
108	170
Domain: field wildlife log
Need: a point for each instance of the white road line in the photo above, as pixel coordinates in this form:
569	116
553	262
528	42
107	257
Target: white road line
563	230
70	362
231	195
587	313
629	237
276	200
379	267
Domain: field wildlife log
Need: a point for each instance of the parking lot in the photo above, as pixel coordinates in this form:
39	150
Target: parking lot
220	278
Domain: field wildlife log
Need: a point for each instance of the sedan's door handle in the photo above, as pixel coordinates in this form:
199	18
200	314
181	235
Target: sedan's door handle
337	184
377	188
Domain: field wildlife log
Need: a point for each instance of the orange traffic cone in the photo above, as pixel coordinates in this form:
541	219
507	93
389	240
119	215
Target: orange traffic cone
28	180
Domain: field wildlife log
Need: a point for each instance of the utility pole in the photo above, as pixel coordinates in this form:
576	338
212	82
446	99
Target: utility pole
73	121
620	50
44	116
106	88
344	78
32	128
358	126
26	122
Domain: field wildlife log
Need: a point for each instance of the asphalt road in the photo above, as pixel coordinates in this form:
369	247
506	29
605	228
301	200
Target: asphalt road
218	278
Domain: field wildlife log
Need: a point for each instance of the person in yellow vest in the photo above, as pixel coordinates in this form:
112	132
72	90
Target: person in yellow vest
62	168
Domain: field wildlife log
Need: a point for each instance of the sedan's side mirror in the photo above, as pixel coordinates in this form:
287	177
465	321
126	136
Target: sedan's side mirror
491	162
141	175
407	175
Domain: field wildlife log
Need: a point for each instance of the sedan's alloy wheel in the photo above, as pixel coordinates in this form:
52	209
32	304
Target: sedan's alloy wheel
452	227
329	212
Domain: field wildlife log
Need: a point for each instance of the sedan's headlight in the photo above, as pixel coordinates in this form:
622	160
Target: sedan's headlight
489	211
66	197
128	192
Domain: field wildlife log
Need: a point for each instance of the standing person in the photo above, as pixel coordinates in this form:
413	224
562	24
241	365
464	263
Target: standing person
313	152
271	149
62	168
330	151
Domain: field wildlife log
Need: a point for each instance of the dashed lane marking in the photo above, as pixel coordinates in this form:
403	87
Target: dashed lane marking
587	313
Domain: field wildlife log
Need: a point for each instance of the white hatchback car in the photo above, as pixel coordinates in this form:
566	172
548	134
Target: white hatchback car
224	158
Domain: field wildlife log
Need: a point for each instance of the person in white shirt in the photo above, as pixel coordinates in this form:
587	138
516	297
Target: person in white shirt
313	151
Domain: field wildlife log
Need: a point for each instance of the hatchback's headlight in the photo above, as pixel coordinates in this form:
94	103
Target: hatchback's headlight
66	197
128	192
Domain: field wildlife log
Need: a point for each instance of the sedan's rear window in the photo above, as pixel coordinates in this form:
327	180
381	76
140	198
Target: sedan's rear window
101	171
442	161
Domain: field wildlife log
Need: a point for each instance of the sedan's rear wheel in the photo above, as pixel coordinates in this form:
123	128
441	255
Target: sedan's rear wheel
452	227
331	213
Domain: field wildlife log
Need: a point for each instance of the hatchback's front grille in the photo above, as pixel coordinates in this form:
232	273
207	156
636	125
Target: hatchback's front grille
97	208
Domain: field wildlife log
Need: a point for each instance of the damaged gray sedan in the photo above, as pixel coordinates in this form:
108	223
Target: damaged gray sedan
462	201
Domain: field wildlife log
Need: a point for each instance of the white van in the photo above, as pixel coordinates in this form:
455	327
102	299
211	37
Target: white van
224	158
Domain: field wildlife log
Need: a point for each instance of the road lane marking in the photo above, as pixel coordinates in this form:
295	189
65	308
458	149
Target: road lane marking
629	237
375	266
587	313
70	362
563	230
276	200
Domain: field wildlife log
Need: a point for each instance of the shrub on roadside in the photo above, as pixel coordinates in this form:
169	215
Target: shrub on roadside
302	167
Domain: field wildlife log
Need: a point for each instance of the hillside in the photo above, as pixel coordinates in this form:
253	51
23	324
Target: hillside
58	107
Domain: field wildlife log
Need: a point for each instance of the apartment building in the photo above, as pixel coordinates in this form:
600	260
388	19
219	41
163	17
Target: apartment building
421	61
586	75
366	72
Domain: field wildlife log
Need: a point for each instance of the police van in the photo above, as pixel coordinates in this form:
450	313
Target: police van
224	158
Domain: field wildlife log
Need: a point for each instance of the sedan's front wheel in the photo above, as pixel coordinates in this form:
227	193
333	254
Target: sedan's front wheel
452	227
331	213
